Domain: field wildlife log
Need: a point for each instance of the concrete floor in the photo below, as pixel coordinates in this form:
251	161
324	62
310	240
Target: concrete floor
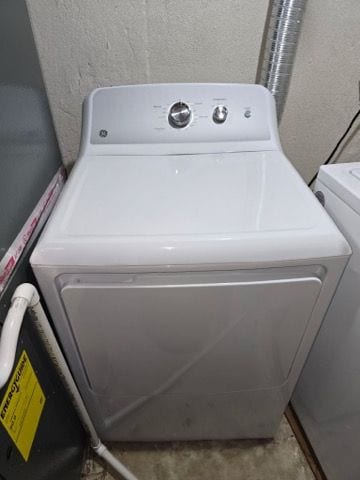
280	459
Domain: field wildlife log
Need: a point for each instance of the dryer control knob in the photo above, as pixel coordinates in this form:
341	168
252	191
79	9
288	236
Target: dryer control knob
220	114
179	115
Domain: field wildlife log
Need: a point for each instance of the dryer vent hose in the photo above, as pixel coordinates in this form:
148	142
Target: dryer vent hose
282	35
26	297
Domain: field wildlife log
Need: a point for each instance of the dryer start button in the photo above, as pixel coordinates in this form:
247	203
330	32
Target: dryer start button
220	114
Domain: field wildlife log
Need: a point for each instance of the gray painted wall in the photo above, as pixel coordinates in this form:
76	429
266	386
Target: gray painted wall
84	44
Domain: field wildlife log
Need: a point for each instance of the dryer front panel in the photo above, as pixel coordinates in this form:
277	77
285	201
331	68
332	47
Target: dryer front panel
186	334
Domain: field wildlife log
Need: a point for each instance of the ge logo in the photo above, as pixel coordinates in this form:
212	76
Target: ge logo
103	133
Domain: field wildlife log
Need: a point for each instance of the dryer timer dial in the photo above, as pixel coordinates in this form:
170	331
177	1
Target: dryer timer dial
179	115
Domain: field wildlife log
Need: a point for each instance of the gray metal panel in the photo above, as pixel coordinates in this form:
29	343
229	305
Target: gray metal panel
207	340
29	157
29	154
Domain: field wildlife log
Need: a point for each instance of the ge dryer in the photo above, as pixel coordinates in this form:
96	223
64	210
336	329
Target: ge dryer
187	267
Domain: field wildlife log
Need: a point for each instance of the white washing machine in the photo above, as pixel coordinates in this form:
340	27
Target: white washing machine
327	397
187	267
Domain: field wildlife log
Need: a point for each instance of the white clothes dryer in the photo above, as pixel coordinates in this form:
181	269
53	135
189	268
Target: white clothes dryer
187	267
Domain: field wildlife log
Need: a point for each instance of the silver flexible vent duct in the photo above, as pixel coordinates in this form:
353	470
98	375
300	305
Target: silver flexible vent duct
280	47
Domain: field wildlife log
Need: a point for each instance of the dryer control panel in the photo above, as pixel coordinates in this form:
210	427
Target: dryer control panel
234	117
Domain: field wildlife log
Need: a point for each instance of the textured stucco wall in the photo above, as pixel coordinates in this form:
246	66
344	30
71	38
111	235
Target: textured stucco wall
89	43
324	92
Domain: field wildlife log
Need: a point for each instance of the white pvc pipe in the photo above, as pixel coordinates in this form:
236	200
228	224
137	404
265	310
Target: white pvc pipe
109	458
9	338
26	296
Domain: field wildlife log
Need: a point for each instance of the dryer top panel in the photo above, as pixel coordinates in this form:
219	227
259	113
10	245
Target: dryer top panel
343	179
179	118
187	209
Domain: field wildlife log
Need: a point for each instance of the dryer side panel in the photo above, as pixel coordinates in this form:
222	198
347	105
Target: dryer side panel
327	396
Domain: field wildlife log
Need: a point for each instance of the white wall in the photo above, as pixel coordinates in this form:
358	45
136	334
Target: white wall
89	43
324	92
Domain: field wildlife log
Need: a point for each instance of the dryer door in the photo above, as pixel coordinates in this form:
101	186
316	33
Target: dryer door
198	333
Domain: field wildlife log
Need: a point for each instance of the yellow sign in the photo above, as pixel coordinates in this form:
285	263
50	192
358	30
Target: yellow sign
22	405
